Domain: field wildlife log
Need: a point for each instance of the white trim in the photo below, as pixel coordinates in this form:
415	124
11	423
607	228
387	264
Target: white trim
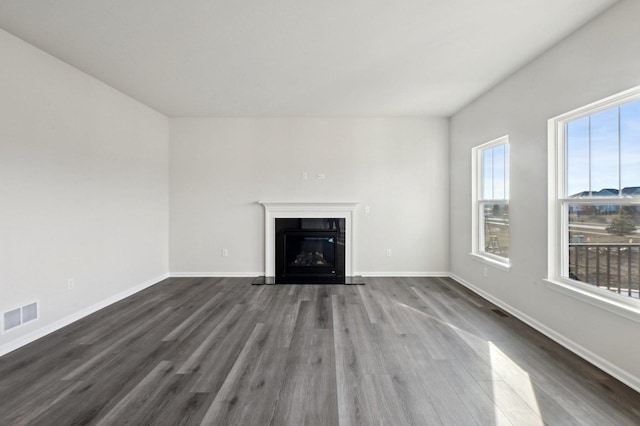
492	143
363	274
403	274
622	201
603	364
319	209
612	101
477	237
215	274
628	309
57	325
557	201
505	266
555	156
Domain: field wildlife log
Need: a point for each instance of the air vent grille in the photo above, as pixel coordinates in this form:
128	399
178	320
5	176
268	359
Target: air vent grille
18	316
12	319
29	312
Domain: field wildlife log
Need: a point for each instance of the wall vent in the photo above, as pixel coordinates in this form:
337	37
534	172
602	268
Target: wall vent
22	315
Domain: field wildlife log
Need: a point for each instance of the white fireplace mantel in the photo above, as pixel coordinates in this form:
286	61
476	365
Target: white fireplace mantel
321	209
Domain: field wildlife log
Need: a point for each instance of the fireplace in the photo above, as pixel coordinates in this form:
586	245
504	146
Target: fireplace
310	250
329	231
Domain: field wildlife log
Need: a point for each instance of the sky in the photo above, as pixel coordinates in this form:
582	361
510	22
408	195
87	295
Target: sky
495	173
614	150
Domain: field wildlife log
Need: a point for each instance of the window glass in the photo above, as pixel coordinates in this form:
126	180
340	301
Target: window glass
600	210
495	217
578	157
495	166
630	149
604	152
499	160
603	248
487	175
492	238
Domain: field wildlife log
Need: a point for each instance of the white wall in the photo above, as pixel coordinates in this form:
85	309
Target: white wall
83	190
221	167
599	60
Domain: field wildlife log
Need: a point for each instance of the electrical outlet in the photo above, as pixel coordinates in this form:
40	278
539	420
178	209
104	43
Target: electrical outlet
367	209
225	252
388	252
70	284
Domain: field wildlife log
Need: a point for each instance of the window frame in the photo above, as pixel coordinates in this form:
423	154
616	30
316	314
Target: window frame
558	218
477	213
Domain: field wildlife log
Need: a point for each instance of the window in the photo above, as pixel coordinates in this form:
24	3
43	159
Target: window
491	239
594	211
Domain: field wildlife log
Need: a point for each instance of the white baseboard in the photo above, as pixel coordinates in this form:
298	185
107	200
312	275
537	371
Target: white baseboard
216	274
606	366
35	335
403	274
258	274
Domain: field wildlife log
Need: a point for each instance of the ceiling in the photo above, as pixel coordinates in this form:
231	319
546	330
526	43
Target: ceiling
298	57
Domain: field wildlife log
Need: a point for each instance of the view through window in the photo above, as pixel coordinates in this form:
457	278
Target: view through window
493	200
601	203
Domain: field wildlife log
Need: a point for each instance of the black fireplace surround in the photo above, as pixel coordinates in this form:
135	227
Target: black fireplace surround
310	250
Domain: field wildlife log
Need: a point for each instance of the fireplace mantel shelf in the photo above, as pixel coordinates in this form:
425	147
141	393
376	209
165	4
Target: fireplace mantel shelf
319	209
306	205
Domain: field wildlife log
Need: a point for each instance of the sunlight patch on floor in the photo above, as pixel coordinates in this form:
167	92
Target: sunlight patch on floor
510	386
514	394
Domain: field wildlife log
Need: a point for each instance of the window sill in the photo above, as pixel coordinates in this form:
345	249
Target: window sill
505	266
630	311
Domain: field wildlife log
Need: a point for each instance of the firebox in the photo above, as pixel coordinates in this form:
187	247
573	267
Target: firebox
310	250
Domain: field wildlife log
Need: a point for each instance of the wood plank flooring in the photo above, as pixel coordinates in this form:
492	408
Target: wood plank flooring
219	351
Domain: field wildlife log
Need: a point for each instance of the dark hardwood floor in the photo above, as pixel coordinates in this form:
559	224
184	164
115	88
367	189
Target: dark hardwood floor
397	351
